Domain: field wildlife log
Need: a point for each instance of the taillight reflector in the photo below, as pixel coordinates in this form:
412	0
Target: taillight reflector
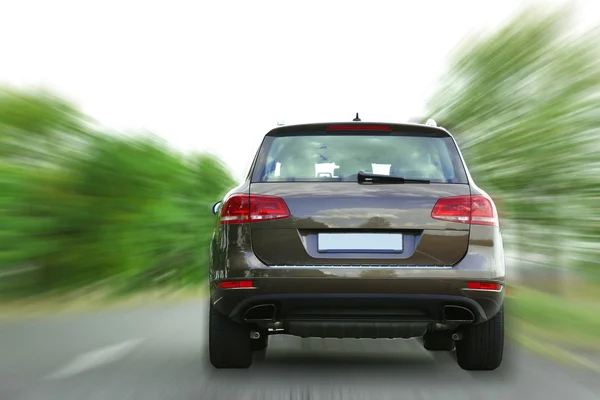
234	284
358	127
484	286
243	208
476	210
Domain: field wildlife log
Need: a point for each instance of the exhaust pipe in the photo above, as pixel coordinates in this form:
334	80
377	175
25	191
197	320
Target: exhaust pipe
457	314
262	312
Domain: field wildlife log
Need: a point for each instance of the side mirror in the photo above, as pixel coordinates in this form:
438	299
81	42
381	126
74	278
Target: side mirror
216	207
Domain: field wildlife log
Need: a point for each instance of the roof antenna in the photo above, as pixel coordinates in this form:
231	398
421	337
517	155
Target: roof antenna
356	119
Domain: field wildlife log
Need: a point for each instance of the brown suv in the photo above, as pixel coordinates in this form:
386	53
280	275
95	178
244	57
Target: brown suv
358	230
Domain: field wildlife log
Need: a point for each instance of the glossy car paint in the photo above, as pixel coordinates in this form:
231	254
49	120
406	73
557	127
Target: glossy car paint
280	256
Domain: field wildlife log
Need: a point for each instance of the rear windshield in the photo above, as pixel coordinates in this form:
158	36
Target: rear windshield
321	157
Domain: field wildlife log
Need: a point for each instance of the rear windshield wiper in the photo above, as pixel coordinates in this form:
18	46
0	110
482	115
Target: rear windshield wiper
365	177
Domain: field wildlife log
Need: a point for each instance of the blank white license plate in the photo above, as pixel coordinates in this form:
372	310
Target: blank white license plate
360	242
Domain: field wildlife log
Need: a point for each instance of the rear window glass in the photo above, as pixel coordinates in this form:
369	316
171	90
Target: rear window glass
309	158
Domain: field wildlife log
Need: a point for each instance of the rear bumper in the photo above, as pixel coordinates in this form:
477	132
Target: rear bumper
402	293
368	300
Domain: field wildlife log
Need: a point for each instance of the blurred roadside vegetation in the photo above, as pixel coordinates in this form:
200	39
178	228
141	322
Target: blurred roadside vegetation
524	104
82	207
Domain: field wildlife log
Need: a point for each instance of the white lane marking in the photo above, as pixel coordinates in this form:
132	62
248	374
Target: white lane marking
96	358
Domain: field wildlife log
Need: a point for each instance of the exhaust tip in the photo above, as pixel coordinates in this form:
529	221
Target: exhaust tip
458	314
262	312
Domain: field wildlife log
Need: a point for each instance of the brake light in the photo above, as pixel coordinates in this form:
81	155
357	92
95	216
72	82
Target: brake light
236	210
476	210
483	211
455	209
243	208
234	284
484	286
358	127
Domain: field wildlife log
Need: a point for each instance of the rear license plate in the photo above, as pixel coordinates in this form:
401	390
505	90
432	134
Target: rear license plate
360	242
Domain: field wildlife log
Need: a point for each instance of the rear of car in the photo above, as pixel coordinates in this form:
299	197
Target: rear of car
358	231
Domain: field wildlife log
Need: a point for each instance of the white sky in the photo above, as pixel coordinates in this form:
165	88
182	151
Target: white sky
216	76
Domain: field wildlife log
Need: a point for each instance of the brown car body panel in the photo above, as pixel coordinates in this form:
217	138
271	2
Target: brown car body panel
323	207
281	259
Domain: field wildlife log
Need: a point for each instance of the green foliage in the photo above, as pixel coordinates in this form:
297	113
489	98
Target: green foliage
523	103
567	319
83	207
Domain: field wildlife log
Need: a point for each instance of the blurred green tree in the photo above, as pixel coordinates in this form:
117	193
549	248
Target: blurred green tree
84	207
523	103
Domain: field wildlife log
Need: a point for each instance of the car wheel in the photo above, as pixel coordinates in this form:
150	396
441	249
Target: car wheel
260	343
229	342
482	345
438	341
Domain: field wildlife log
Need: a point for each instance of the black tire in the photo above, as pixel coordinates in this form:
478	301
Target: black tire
229	342
438	341
482	345
261	343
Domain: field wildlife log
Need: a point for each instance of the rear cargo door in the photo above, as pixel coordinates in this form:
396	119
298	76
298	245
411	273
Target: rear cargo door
336	220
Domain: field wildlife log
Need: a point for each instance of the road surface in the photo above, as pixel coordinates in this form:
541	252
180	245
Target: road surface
159	352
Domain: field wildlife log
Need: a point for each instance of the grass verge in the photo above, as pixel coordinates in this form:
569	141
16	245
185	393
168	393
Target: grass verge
557	319
98	299
564	328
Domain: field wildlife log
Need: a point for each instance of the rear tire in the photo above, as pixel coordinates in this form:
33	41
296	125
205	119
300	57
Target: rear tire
438	341
229	342
482	345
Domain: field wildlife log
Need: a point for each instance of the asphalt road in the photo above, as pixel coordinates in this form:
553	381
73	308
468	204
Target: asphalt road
159	352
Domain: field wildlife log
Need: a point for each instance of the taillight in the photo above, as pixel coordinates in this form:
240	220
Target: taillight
476	210
236	210
235	285
483	211
484	286
455	209
243	208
